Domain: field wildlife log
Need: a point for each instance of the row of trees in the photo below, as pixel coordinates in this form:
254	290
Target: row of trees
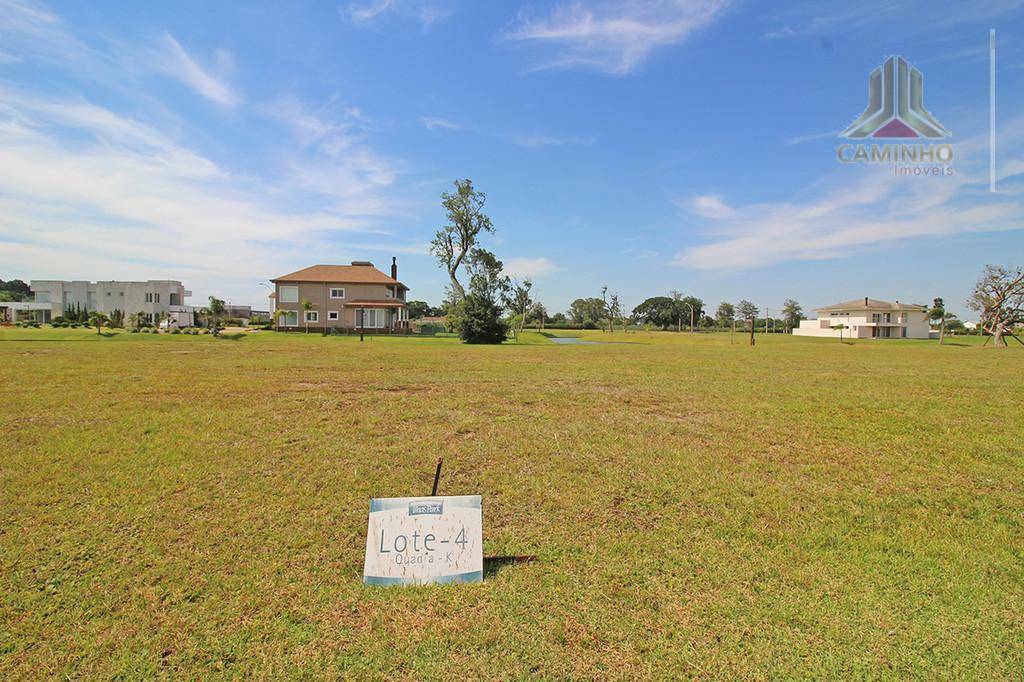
494	303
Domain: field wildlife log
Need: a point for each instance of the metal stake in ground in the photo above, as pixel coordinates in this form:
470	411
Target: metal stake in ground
437	477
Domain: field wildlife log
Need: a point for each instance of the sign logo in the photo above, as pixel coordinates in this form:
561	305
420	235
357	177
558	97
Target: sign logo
896	111
895	105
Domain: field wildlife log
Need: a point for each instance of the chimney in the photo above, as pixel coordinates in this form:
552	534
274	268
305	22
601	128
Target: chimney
865	301
394	267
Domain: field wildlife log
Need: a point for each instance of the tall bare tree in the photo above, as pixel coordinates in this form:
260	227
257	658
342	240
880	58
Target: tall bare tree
998	297
466	220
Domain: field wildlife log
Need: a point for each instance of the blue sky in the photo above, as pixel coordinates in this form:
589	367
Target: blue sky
646	146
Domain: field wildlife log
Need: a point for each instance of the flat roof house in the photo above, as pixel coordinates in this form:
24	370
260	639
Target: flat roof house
154	297
344	297
868	318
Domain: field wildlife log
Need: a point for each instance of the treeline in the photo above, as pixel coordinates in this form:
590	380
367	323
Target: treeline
14	290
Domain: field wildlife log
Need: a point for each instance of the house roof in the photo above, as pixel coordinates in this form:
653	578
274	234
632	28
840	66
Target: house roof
363	273
870	304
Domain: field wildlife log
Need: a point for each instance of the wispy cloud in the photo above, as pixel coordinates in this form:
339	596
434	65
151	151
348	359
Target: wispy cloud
872	209
424	12
432	123
913	16
811	137
525	140
529	267
174	61
615	37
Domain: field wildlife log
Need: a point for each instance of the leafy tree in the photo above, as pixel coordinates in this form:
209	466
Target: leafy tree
792	313
117	318
691	308
660	311
998	297
558	319
466	220
518	300
586	312
15	290
615	312
420	309
937	313
306	306
99	319
216	311
725	314
485	275
480	320
537	312
745	310
840	327
278	315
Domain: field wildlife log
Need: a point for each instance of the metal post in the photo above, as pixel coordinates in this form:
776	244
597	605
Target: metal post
437	477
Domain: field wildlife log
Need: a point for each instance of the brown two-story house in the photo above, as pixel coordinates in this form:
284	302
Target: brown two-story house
348	297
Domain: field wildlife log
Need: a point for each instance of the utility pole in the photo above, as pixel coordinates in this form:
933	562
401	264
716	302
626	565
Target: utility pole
766	321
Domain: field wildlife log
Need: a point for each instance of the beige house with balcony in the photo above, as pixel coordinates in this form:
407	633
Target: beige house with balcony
868	318
343	297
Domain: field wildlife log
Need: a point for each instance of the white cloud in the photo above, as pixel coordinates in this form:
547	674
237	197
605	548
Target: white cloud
712	206
529	267
860	209
432	123
125	200
177	63
615	37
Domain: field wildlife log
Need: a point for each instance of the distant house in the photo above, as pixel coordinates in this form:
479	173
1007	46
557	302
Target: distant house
868	318
154	298
350	297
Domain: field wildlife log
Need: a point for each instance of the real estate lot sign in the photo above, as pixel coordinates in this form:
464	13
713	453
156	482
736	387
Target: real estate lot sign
420	540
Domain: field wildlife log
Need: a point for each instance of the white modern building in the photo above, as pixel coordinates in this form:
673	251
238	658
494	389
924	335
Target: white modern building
153	298
868	318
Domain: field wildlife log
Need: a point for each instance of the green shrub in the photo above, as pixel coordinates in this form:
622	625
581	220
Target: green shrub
176	331
480	320
134	331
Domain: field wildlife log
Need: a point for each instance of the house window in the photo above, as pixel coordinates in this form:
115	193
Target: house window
388	293
288	294
338	292
149	297
290	318
373	318
156	298
108	293
332	315
312	316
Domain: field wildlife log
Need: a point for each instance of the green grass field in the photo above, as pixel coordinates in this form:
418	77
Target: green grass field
191	506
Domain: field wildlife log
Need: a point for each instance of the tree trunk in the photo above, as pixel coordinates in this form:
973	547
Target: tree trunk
752	331
457	289
997	337
942	331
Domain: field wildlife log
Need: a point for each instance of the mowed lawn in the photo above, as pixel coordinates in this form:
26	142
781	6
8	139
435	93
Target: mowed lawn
188	506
